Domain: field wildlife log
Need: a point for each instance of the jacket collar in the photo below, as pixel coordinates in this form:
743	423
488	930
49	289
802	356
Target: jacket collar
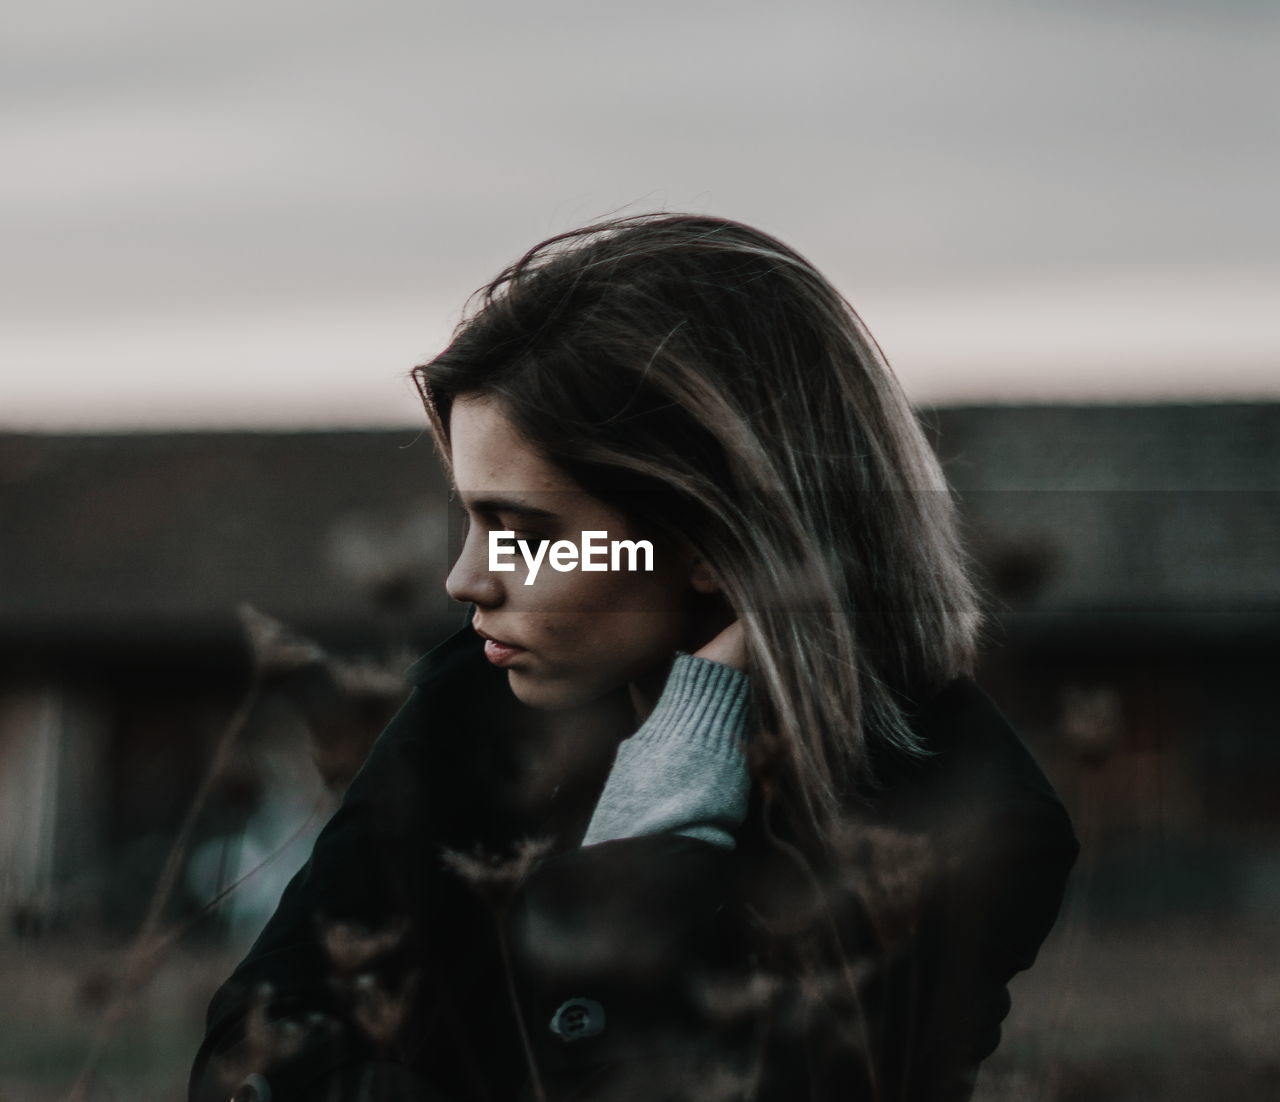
461	648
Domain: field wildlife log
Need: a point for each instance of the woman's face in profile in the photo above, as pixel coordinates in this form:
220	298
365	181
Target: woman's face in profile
579	634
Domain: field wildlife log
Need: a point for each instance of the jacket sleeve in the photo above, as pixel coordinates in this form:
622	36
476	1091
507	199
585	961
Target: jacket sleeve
315	1004
996	846
999	898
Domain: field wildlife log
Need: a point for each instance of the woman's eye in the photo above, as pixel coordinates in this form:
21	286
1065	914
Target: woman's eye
520	537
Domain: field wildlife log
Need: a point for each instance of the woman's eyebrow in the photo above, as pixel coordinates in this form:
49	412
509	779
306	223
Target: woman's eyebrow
506	505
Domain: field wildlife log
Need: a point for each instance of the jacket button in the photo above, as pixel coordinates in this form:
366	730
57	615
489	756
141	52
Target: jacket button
253	1089
578	1019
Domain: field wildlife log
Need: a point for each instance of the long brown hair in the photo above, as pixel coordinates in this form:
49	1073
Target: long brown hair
699	374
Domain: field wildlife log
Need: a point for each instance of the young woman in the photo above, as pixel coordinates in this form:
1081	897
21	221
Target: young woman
737	826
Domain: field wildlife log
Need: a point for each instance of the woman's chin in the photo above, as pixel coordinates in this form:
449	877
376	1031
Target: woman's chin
543	694
559	694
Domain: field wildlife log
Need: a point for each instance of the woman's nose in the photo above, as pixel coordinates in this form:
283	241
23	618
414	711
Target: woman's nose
470	581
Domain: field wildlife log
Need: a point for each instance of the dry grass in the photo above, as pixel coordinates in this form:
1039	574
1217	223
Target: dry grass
1175	1012
57	996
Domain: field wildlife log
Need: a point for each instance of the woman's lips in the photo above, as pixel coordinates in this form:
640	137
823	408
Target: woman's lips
498	652
501	654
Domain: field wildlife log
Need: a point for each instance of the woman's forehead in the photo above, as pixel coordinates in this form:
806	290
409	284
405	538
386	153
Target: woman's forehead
496	469
489	454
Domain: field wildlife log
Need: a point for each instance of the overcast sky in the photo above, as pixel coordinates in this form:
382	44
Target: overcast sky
257	213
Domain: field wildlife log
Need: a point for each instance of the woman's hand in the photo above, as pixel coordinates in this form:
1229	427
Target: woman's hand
729	648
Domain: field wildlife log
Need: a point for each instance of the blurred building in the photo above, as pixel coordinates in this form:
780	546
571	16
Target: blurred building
1128	553
123	565
1132	557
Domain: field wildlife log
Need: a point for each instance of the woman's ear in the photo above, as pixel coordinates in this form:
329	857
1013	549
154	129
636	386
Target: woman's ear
703	578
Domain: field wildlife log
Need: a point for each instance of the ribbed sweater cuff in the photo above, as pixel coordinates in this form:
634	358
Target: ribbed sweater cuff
703	703
684	770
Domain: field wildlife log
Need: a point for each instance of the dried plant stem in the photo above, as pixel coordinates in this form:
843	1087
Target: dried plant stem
163	941
142	954
861	1025
508	973
1074	928
757	1060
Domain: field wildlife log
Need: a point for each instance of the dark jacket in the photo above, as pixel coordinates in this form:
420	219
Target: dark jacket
423	953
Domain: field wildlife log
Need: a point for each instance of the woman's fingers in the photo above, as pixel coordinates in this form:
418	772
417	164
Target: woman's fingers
728	648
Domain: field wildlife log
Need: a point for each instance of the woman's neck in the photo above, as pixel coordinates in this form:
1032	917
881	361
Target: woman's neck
645	691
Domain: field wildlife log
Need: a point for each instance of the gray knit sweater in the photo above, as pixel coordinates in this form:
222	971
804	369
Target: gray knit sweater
683	771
